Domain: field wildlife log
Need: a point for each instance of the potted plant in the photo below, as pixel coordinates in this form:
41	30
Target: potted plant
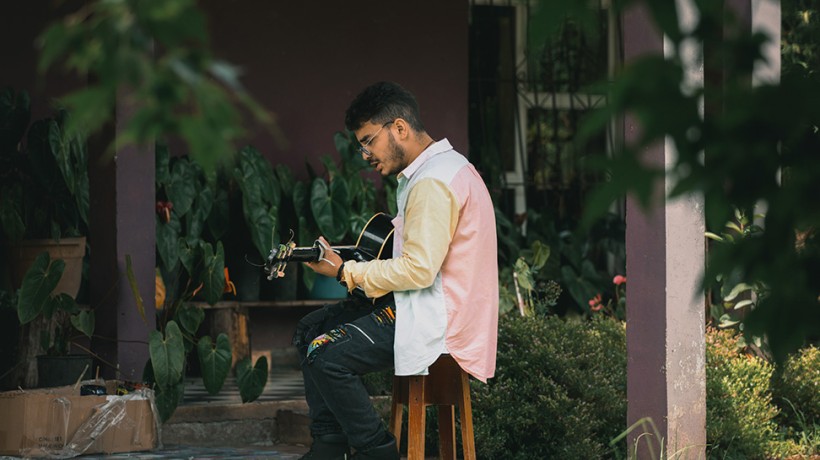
43	189
65	322
43	206
192	219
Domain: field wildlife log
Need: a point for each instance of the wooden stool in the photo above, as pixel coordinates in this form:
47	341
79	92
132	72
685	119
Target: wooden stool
446	386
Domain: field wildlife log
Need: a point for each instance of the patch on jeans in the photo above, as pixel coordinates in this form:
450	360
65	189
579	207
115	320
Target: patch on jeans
324	339
385	316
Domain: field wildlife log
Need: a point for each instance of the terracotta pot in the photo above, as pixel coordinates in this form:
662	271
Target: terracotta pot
71	250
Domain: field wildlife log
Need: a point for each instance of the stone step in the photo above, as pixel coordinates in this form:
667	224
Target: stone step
236	425
252	424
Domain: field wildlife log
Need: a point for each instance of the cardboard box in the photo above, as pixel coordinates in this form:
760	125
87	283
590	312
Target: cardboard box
60	422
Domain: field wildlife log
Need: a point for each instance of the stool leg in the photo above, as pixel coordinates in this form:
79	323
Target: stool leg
465	410
396	411
446	432
415	419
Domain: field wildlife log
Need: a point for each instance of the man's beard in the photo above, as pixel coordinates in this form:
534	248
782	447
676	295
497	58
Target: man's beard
396	156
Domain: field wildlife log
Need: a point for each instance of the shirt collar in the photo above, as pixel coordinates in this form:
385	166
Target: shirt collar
434	149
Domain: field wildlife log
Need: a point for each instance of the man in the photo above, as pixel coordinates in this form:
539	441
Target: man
443	277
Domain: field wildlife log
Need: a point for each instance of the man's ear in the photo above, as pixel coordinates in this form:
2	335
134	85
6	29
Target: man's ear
402	128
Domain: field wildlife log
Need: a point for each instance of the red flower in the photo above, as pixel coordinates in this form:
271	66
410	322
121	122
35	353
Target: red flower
618	280
163	208
595	303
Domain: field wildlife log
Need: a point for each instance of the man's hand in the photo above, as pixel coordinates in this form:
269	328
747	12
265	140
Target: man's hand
328	266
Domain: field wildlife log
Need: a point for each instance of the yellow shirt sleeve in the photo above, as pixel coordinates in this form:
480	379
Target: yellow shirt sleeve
430	220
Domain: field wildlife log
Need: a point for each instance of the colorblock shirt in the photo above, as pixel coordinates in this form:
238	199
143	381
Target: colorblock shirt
443	274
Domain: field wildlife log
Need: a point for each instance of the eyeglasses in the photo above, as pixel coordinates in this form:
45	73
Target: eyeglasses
363	147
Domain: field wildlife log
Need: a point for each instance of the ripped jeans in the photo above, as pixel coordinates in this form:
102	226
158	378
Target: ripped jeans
338	344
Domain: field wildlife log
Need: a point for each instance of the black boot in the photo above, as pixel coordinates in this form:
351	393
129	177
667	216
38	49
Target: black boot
388	450
328	447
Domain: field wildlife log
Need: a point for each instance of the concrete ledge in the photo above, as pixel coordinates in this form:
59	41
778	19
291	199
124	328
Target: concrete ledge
236	425
224	412
252	424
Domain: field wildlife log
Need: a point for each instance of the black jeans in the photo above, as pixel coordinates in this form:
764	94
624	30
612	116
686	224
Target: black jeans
339	343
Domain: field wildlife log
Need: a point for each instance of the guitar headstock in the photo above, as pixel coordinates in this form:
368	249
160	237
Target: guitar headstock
278	259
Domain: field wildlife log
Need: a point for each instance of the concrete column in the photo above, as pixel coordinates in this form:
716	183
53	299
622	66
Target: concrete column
766	18
122	223
665	313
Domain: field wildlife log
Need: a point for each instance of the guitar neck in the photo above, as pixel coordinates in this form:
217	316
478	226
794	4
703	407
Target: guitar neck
311	254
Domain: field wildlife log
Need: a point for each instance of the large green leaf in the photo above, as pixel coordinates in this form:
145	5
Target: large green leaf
251	380
199	212
213	272
84	322
540	255
260	197
331	208
579	285
82	198
190	317
167	355
190	253
168	398
66	303
182	189
168	244
261	221
215	362
40	280
219	220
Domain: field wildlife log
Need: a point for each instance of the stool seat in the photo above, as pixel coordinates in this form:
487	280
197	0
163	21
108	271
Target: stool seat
446	386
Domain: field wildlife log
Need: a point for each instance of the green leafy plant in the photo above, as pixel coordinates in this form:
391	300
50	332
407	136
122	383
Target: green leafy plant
559	390
43	174
736	297
759	147
44	194
566	380
36	298
261	197
569	274
193	216
795	390
527	293
740	414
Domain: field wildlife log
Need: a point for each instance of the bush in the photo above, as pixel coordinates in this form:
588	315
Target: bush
740	414
559	390
797	389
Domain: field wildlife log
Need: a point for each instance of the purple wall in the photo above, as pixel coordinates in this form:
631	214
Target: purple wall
305	61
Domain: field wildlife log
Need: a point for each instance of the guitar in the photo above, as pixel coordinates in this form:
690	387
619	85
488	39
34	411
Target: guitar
375	242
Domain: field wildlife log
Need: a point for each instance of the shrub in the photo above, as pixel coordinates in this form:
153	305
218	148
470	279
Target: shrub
559	390
797	389
740	414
